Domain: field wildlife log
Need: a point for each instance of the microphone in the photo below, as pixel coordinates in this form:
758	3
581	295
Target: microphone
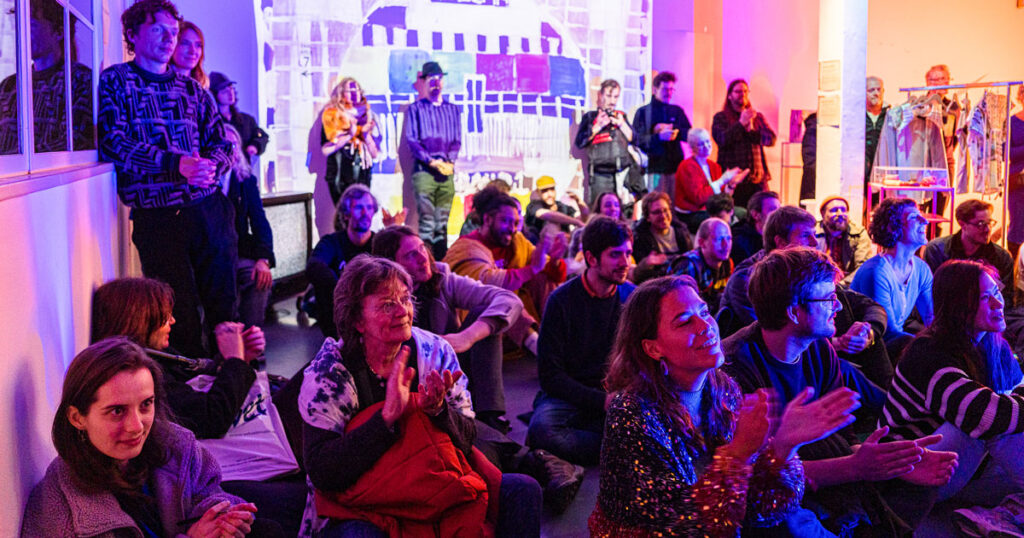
203	366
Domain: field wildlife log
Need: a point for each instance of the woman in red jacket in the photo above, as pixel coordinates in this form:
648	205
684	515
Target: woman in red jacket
698	177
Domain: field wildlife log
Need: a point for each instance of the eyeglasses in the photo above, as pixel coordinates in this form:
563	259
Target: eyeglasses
391	306
983	223
831	299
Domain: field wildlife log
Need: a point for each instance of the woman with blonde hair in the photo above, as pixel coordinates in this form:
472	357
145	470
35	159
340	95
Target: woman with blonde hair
350	137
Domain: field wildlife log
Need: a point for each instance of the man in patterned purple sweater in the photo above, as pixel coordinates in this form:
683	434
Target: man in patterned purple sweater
164	136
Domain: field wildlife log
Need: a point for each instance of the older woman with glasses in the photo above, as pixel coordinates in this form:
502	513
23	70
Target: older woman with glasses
383	452
895	278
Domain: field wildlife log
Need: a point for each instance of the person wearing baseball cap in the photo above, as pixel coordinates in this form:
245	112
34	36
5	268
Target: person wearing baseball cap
433	132
545	212
254	139
845	241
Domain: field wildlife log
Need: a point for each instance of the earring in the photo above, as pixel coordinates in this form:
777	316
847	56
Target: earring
664	366
81	435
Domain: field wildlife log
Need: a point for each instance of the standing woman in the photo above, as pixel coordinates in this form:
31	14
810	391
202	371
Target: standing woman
122	467
350	137
684	452
189	54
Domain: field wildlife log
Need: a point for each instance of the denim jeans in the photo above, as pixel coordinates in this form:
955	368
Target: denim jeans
565	430
252	303
433	202
1003	475
519	509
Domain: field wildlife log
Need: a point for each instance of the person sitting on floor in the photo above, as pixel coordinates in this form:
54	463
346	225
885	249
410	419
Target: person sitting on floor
122	467
845	241
607	204
658	238
576	336
787	349
384	407
895	278
685	453
959	379
140	309
747	232
352	238
545	212
708	264
500	255
973	242
440	296
722	206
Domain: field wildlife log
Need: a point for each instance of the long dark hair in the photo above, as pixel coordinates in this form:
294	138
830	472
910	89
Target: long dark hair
132	307
728	92
956	290
90	370
386	244
633	371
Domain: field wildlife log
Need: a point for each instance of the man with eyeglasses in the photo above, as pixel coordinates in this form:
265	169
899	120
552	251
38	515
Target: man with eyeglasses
794	293
973	242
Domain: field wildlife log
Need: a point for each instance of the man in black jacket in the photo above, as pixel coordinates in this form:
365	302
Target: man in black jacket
659	128
605	134
658	239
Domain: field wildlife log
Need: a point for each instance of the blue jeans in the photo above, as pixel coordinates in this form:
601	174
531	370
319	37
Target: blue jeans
519	508
1003	475
565	430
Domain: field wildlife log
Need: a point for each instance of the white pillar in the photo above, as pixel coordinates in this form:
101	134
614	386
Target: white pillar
842	54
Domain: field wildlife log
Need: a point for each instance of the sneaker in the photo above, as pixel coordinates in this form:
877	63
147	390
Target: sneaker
1003	521
560	479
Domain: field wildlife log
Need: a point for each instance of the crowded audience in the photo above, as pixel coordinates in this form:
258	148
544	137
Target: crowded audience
728	364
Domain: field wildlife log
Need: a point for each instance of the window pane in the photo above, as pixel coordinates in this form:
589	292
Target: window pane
82	65
49	104
9	130
84	7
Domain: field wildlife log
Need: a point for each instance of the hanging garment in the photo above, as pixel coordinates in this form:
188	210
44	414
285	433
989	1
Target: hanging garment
912	137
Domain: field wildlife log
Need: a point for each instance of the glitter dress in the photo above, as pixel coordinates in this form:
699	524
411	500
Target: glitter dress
655	483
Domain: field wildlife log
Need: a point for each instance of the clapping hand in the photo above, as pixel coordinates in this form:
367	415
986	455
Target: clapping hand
855	340
747	117
753	426
396	398
432	394
803	423
876	461
255	343
224	520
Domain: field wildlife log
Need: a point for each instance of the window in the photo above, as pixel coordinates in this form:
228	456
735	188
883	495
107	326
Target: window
48	76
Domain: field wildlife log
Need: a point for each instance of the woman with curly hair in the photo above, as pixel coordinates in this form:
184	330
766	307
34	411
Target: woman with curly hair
190	52
350	137
895	278
684	452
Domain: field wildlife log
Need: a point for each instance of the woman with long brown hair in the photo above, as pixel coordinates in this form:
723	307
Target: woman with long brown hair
684	451
190	52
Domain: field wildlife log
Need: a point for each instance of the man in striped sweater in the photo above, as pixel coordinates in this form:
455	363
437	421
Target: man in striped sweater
433	131
164	136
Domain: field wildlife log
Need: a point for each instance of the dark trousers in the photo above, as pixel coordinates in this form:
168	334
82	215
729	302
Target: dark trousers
195	250
482	365
281	500
565	430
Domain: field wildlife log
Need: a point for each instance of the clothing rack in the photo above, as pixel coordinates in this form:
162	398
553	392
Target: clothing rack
1008	84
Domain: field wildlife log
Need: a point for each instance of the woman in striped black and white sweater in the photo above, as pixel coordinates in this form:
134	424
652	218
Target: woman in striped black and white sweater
959	378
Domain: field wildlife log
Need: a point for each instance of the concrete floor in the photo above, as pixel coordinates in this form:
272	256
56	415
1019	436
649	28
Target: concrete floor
290	346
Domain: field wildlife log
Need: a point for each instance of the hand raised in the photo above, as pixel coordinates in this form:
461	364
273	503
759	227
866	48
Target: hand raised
539	257
753	426
432	394
559	245
804	423
396	219
400	379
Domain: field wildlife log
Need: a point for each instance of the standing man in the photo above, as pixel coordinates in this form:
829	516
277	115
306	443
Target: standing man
434	134
605	134
873	129
165	138
742	133
660	127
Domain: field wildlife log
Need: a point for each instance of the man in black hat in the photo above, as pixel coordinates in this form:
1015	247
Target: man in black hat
254	139
433	131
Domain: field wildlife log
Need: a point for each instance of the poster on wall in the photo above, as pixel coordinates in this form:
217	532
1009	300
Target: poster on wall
521	71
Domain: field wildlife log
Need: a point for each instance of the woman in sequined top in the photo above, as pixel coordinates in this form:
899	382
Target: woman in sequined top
684	452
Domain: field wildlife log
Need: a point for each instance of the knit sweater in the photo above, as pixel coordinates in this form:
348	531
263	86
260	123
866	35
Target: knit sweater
931	388
147	123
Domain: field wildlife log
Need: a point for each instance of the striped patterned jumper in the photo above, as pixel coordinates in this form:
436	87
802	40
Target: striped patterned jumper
932	387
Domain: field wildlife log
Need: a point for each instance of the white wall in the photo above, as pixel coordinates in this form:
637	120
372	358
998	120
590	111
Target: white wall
59	244
979	41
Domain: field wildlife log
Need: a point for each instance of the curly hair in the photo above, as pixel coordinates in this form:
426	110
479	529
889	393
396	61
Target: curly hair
783	278
142	12
886	228
632	370
663	77
90	370
364	276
